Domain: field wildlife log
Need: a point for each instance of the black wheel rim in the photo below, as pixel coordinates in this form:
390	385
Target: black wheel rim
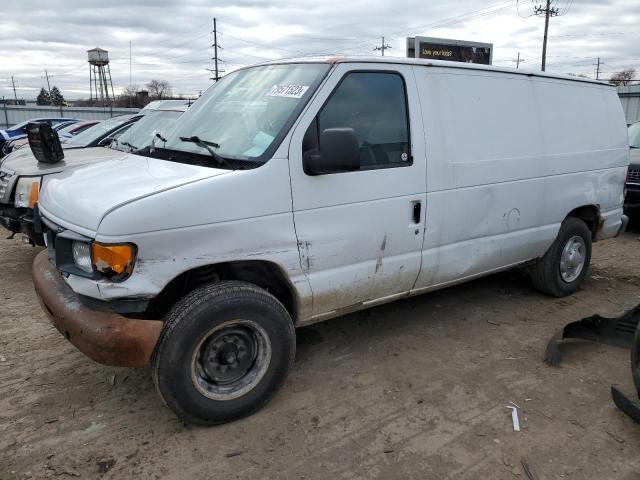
231	359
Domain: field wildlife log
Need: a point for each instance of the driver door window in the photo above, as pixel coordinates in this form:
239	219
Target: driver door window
374	104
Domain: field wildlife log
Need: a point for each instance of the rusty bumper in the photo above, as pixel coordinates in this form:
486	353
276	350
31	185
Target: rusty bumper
107	338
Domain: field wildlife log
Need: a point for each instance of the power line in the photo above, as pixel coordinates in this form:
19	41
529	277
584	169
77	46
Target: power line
518	61
13	83
598	68
383	46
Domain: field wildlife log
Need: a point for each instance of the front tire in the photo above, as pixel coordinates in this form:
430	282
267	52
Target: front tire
224	351
562	269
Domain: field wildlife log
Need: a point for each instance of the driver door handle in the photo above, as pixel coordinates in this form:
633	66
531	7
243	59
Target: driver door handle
417	212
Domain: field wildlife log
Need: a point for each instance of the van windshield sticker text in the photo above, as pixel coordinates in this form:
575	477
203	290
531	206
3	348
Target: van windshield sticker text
288	91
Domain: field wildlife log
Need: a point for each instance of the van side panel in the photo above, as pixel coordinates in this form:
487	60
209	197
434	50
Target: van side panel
508	157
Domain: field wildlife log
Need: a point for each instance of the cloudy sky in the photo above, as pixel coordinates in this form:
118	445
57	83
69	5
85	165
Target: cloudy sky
172	40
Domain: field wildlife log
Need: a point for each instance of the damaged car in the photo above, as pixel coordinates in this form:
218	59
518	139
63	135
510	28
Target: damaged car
21	174
298	191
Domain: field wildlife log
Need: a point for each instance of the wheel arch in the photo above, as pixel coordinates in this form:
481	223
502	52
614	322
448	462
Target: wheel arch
590	214
264	274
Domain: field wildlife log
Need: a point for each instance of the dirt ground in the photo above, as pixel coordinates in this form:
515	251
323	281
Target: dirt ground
414	389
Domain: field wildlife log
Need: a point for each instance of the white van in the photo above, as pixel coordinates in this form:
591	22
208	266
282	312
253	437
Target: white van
298	191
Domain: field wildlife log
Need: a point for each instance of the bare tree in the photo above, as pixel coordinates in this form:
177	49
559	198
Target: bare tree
159	89
127	97
623	77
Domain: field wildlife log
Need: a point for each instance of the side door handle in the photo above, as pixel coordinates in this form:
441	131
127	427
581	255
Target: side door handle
417	211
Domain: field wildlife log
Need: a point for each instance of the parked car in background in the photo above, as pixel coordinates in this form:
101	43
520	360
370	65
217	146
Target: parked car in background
632	198
22	140
103	133
21	174
72	130
20	129
167	104
299	191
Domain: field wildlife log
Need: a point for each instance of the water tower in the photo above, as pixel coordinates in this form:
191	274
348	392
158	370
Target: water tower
99	75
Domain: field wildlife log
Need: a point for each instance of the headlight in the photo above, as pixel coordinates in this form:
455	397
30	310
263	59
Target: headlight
82	256
112	261
27	191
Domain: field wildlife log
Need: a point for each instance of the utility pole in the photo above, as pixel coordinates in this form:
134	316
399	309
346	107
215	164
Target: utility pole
598	68
130	92
518	61
382	47
46	74
215	70
548	12
14	89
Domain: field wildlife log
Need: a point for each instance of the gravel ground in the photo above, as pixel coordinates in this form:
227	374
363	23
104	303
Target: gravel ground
414	389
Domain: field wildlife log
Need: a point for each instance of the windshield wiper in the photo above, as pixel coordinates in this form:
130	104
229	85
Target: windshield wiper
208	146
127	144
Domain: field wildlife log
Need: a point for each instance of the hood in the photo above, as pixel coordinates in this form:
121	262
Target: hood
83	197
634	157
22	161
16	154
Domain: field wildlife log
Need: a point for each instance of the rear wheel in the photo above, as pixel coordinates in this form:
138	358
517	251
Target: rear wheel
224	351
563	268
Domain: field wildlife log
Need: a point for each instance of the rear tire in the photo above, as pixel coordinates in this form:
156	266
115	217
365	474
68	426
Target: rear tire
224	351
562	269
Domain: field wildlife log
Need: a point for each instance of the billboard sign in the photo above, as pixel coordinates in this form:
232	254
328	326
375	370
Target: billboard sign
451	50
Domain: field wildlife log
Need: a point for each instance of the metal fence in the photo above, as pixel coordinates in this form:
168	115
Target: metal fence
12	114
630	98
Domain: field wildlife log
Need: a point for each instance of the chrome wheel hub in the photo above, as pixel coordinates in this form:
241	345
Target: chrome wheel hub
572	259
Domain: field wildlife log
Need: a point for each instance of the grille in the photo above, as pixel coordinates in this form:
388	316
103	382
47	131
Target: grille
632	177
4	183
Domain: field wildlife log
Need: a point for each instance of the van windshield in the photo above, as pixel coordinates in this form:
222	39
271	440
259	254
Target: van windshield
246	114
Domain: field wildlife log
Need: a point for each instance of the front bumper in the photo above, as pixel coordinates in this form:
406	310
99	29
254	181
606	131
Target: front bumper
10	224
10	218
107	338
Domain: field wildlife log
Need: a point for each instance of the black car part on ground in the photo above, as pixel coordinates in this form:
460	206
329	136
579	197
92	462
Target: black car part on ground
631	408
616	331
622	331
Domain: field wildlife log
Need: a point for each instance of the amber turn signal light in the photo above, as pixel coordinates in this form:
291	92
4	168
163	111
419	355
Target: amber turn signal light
34	193
113	261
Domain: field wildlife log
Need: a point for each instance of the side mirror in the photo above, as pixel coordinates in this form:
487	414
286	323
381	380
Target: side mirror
339	152
106	141
44	142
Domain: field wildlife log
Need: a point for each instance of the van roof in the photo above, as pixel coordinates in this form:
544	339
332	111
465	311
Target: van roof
435	63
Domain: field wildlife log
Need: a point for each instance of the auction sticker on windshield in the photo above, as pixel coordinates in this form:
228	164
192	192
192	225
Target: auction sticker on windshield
289	91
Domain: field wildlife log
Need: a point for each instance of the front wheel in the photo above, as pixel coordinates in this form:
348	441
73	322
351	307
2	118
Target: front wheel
561	270
224	351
